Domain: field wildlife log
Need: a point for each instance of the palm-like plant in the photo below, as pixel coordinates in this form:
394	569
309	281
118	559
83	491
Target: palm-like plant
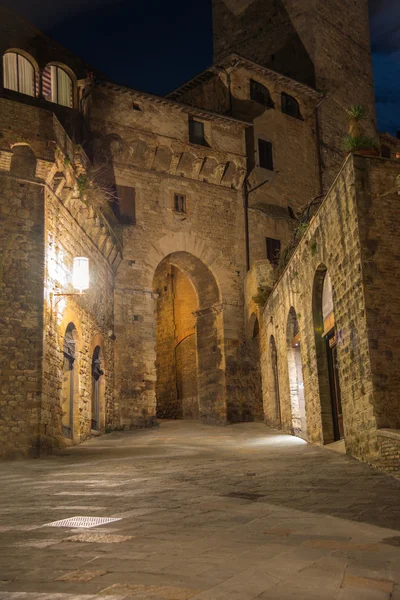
356	113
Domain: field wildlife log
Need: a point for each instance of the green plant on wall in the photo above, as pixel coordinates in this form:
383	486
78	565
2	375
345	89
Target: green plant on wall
262	296
355	140
313	247
362	142
356	114
82	184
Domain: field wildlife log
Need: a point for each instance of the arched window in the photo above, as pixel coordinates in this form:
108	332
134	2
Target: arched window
259	93
57	86
290	106
19	74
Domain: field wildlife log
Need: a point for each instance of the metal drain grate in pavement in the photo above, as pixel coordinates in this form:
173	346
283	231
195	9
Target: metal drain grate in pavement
81	522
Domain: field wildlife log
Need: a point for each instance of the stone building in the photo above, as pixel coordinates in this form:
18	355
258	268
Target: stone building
183	206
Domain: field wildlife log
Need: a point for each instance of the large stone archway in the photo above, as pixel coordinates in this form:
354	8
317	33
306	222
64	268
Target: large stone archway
190	360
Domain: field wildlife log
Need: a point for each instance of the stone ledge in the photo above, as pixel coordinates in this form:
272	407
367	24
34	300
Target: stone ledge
393	434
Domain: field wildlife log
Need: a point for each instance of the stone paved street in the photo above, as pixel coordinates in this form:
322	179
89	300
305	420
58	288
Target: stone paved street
206	513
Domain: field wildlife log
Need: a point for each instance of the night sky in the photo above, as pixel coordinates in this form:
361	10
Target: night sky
158	44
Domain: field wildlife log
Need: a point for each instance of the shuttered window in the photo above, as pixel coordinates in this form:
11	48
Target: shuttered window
265	158
126	210
273	250
179	203
196	132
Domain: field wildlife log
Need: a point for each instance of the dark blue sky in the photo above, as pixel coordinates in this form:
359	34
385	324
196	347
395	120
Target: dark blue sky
155	45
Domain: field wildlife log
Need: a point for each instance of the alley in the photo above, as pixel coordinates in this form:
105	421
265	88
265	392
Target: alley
204	513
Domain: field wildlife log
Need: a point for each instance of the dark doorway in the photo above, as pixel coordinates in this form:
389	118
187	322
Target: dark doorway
96	375
68	384
337	413
327	357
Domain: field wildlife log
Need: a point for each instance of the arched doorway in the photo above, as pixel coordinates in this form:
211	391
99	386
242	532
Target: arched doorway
295	370
326	350
69	389
189	357
275	381
97	389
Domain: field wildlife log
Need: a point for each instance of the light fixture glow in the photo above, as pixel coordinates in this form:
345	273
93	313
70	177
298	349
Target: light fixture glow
80	274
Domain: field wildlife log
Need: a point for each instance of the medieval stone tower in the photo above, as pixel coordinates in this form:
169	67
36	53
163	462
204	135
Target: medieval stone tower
323	43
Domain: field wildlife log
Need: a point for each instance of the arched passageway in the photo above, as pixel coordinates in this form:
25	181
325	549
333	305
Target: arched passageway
70	383
295	370
327	362
190	362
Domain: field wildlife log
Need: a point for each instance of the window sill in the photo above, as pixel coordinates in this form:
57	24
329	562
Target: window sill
293	117
198	145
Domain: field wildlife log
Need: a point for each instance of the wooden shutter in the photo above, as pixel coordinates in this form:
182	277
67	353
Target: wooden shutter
126	204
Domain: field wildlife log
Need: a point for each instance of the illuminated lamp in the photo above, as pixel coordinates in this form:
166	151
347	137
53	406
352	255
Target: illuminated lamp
80	274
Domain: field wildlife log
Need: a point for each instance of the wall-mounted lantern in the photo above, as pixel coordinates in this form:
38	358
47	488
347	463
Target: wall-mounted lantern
80	274
80	278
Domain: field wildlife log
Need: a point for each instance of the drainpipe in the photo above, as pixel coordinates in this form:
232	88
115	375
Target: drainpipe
318	145
245	192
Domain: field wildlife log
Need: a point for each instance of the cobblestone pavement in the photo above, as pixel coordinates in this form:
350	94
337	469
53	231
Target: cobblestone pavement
206	513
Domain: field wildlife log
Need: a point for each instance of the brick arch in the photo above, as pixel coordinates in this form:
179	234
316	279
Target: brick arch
210	357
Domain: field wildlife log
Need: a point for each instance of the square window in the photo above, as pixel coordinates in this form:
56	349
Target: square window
126	207
265	158
179	203
273	250
196	132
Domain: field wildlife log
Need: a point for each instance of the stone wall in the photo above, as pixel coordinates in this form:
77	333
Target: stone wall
207	240
21	314
340	238
49	221
389	448
92	316
308	41
379	215
295	179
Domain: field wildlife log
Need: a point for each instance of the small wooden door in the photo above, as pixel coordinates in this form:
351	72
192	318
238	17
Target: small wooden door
337	412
